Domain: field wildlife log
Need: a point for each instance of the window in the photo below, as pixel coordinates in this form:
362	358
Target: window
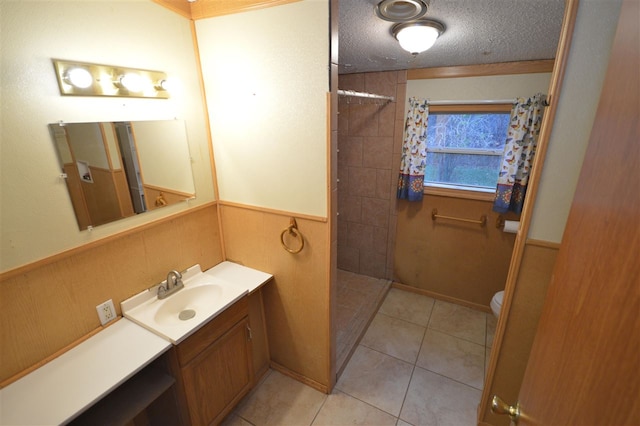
465	144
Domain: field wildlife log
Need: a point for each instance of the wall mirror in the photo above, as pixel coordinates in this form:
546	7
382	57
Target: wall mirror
114	170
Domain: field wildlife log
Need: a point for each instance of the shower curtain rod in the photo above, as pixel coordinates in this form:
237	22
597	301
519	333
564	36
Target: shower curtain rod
364	95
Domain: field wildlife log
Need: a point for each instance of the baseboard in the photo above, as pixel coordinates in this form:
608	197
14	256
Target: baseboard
299	377
442	297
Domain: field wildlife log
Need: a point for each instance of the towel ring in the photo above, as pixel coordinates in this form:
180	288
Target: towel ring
292	229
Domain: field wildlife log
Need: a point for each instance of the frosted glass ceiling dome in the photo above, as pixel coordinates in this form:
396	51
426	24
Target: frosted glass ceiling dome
417	36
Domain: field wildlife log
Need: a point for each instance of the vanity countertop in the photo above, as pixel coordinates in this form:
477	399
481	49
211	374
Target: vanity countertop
249	278
62	389
204	295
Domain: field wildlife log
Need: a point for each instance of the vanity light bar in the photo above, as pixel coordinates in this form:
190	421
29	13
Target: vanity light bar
86	79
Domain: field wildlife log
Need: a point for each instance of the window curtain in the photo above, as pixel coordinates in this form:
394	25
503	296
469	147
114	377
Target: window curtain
519	151
414	151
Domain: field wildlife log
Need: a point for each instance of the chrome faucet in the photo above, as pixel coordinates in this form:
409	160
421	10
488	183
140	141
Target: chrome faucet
173	284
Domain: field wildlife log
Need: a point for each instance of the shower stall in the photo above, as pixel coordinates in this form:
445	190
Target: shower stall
369	140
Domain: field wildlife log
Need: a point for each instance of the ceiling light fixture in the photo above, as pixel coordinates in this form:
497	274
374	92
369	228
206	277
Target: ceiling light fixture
401	10
417	36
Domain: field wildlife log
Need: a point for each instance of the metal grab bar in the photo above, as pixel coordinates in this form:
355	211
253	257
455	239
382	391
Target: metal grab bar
482	222
292	229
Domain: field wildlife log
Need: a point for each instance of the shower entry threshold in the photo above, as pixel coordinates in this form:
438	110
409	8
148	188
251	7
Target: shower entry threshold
359	297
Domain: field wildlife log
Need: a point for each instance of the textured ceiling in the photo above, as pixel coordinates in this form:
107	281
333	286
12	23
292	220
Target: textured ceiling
477	32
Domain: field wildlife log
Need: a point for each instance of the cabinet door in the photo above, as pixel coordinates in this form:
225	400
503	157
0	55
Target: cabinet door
219	377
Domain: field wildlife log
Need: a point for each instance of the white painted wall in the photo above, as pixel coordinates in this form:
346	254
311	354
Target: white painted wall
479	88
266	78
164	154
36	216
87	144
593	35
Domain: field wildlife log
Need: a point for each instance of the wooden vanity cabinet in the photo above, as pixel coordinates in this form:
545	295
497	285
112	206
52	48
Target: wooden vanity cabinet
214	366
259	341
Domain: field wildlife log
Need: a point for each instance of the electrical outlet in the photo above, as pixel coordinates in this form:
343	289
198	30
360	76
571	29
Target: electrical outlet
106	311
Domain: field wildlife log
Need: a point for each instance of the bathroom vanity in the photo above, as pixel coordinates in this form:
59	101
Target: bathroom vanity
209	323
213	367
130	370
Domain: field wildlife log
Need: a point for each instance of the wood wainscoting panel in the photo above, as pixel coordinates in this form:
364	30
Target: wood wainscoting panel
52	304
159	197
297	300
455	260
101	197
74	185
122	193
512	353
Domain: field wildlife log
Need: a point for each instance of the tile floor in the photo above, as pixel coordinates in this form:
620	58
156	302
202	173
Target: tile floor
421	362
358	299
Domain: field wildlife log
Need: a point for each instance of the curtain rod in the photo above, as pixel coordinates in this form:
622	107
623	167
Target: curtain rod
364	95
474	102
479	102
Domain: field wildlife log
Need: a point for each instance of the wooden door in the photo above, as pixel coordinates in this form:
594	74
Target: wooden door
584	367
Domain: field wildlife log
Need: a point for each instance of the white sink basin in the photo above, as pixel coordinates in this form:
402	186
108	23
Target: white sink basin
179	315
189	299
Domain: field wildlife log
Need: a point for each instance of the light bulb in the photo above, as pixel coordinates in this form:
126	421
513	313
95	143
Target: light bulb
168	85
79	77
133	82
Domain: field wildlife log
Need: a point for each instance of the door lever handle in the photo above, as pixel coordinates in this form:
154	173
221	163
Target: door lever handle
498	406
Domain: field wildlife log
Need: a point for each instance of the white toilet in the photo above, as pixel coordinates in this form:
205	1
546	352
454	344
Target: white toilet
496	303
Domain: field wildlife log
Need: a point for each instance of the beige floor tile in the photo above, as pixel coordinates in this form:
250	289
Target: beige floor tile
492	322
280	400
487	356
459	321
436	400
377	379
395	337
342	409
408	306
233	420
377	386
452	357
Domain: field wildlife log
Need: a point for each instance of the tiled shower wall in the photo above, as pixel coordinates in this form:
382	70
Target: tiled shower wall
369	143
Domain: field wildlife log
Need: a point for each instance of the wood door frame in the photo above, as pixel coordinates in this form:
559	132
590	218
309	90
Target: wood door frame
555	86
